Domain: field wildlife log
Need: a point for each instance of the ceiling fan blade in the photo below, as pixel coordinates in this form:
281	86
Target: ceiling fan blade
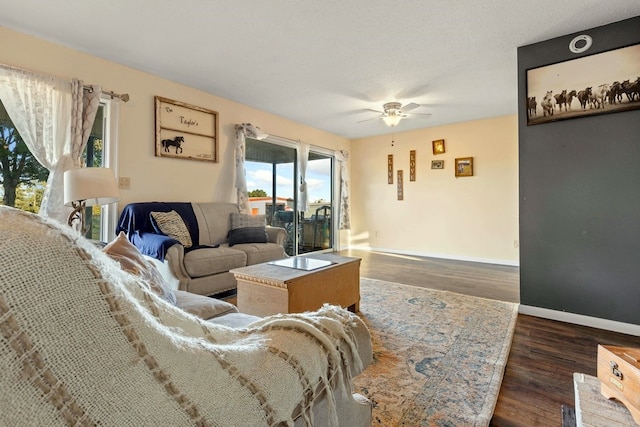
368	120
409	107
371	109
419	115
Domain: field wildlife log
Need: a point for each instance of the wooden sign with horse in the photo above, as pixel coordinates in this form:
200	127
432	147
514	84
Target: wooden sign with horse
185	131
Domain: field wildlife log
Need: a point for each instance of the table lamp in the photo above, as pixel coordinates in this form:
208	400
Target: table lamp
88	187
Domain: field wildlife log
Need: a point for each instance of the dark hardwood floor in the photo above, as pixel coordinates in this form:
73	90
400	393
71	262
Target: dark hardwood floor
538	378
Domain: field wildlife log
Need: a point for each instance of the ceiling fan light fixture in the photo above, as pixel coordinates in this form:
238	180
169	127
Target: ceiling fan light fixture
392	119
394	112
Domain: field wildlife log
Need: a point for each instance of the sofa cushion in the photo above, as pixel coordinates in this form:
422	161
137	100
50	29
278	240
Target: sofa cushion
203	307
171	224
248	235
132	261
208	261
214	221
261	252
239	220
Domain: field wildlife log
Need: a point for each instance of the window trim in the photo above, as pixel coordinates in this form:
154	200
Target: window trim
110	160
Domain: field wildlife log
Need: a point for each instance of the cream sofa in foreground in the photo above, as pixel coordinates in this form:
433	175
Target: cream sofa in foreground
202	265
84	342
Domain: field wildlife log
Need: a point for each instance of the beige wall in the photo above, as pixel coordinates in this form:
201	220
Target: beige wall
466	218
157	178
470	218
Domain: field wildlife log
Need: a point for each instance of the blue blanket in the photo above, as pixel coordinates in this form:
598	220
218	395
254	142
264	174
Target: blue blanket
136	223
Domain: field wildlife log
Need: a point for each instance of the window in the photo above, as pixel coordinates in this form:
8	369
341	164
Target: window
100	152
272	185
24	180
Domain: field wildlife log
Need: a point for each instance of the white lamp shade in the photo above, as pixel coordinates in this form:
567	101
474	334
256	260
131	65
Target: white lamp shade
392	119
94	186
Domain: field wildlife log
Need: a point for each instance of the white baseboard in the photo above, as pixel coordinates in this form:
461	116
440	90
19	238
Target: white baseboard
440	256
579	319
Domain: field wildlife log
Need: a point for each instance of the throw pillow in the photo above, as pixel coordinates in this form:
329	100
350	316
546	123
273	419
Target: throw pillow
239	220
202	306
248	235
132	261
171	224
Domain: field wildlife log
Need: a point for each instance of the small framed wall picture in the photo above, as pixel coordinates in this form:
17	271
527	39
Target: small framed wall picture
438	146
437	164
464	166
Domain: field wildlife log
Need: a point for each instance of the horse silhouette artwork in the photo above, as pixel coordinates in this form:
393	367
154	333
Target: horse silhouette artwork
531	106
570	96
176	142
547	104
615	93
583	97
561	99
598	96
631	89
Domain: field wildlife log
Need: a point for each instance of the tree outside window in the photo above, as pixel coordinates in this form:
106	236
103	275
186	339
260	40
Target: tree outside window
23	178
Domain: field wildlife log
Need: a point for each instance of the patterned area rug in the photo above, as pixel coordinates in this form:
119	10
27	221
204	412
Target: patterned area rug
439	357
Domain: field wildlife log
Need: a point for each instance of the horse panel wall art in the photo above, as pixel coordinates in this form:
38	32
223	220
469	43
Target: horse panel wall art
185	131
607	82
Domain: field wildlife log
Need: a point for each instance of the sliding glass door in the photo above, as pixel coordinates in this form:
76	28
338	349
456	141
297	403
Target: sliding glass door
272	183
316	226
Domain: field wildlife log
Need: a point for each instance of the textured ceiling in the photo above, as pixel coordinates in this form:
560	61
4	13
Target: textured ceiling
323	62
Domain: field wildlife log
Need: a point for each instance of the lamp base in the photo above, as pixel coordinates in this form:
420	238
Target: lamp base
77	216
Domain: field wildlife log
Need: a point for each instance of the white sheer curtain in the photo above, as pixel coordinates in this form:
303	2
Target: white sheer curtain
54	117
243	131
303	160
345	221
40	108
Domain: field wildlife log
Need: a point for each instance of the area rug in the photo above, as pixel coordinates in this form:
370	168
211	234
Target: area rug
439	357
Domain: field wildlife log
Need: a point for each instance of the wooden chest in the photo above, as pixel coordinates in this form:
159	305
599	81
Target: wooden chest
619	375
268	288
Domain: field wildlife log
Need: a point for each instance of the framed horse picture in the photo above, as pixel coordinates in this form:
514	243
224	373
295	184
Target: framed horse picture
464	166
607	82
185	131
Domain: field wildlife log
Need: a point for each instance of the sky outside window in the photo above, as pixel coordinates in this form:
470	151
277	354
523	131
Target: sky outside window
259	176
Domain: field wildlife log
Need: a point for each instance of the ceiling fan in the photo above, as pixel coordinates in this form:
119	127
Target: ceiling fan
394	112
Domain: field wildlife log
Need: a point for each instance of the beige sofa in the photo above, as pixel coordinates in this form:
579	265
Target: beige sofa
204	267
90	342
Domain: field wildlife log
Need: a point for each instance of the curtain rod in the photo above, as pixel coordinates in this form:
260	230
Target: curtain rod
123	97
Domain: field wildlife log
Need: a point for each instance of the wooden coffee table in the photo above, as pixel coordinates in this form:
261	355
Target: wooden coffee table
266	289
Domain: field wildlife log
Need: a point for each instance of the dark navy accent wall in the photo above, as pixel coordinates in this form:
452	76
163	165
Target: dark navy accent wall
580	196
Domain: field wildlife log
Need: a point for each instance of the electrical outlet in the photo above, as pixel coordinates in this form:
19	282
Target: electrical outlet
124	183
516	244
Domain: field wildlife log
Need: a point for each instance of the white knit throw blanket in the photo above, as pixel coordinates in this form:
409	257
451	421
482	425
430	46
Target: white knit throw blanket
84	343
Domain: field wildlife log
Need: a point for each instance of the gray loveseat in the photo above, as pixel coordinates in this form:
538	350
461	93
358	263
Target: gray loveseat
203	267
